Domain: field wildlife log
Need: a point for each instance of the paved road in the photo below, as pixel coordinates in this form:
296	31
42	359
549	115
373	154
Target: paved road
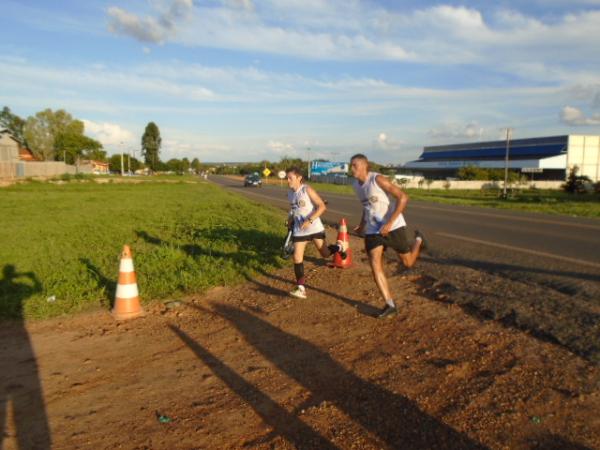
490	238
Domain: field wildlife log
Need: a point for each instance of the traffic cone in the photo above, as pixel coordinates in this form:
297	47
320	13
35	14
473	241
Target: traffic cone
344	240
127	300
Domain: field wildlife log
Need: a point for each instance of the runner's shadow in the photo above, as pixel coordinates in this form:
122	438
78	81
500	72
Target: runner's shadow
255	247
19	378
362	308
394	419
284	424
108	286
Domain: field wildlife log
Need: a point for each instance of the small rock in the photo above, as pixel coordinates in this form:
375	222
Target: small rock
173	305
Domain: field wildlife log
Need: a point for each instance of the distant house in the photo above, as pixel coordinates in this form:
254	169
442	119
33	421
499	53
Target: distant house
95	167
9	147
12	150
26	155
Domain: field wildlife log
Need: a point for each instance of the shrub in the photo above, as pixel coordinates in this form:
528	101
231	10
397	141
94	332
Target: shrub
576	184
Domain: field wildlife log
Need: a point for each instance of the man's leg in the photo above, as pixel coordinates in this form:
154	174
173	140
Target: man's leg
410	258
376	256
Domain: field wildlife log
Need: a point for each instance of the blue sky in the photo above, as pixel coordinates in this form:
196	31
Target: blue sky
245	80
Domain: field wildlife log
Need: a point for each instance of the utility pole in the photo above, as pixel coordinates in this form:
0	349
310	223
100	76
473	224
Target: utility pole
121	145
128	163
508	136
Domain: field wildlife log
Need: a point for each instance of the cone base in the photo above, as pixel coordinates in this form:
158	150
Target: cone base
121	313
340	263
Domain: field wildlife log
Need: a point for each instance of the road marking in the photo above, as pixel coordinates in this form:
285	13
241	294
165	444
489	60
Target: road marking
523	250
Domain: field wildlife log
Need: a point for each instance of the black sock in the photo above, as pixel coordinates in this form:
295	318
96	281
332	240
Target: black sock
299	272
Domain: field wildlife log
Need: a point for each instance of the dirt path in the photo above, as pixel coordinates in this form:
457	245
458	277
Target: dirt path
250	367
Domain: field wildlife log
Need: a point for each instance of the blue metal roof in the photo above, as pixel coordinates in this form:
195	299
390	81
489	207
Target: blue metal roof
536	147
539	152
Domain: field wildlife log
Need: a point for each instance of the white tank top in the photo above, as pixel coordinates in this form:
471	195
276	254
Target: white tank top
302	208
377	206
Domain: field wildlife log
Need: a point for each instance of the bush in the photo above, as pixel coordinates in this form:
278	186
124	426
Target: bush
576	184
482	174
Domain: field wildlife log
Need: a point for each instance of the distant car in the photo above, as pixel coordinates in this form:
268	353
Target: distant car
252	180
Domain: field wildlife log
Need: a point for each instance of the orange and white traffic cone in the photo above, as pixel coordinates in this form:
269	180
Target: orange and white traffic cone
344	241
127	300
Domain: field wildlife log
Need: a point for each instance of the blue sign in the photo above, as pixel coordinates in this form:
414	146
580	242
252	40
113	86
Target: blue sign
327	167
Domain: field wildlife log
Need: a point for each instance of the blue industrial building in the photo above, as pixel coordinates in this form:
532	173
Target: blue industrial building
550	158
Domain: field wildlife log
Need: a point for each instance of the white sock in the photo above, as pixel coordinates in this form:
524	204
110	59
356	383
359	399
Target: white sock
418	238
390	302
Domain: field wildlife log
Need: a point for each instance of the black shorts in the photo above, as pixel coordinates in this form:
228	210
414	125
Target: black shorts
309	237
395	239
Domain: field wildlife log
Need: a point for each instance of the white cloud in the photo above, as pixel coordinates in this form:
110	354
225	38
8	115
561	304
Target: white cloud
471	130
386	143
281	148
99	76
149	29
109	134
574	116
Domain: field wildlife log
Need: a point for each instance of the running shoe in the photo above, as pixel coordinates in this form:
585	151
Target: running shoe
387	311
424	245
343	247
298	292
338	248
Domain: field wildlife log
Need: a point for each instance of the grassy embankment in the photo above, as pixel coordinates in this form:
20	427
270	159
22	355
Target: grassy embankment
543	201
63	242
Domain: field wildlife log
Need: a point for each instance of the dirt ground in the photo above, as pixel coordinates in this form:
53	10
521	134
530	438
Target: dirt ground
251	367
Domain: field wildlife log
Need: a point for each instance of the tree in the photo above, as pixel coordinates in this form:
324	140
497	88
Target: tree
196	165
469	173
40	131
151	142
12	123
114	163
185	165
174	165
576	184
71	144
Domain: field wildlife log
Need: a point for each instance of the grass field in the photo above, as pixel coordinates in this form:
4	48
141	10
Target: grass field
543	201
60	243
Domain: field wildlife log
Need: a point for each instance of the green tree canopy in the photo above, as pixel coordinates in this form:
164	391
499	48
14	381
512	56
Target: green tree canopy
196	165
12	123
57	135
71	144
151	142
185	165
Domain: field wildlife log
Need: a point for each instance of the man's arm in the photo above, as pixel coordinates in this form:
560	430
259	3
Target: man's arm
401	201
